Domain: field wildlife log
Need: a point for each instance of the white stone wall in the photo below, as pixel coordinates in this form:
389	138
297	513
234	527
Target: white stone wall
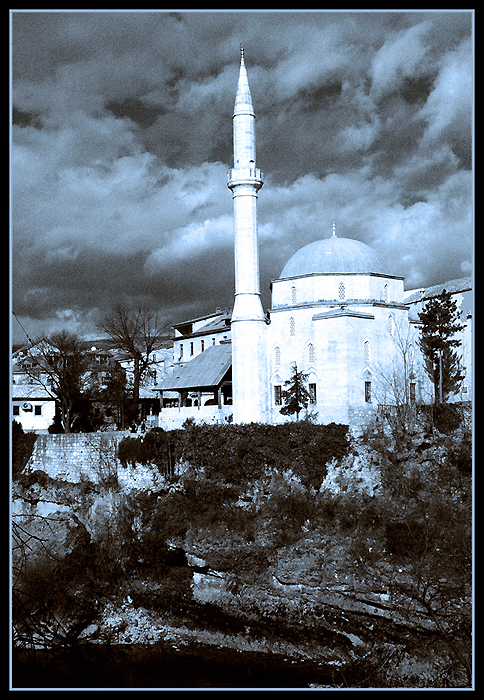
316	288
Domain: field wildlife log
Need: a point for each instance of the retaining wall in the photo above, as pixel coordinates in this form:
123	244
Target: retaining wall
76	456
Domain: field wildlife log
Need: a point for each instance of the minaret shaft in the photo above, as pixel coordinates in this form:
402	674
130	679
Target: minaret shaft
249	371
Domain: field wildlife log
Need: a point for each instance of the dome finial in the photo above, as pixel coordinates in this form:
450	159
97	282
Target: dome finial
334	228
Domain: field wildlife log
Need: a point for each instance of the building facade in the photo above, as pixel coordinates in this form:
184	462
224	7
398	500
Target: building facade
338	313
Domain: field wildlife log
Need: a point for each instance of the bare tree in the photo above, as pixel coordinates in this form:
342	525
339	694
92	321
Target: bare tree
60	364
400	378
137	331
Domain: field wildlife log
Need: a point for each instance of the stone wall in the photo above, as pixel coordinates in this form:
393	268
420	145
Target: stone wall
76	456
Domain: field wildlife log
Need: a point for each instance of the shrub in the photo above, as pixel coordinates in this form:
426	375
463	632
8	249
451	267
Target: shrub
242	453
22	448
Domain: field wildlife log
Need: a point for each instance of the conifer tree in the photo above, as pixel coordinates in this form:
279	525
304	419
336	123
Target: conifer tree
438	343
296	396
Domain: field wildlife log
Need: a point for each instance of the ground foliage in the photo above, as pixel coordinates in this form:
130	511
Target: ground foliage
22	447
300	502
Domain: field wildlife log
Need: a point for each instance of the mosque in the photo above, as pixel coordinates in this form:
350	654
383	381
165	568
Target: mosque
337	312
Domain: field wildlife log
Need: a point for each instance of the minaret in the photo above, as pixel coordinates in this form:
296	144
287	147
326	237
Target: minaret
249	369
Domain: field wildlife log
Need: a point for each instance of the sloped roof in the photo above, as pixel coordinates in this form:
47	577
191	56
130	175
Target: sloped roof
217	324
463	284
205	370
335	313
30	391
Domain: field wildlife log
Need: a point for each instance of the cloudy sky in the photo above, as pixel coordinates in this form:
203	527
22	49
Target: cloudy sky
122	138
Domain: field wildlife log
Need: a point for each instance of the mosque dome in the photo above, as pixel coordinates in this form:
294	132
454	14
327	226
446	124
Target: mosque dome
335	255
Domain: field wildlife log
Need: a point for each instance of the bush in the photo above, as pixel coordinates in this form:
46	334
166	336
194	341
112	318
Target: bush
129	451
242	453
22	448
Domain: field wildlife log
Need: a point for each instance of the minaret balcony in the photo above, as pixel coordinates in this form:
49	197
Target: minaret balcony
245	176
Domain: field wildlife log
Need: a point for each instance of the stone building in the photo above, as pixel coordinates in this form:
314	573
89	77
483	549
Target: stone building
338	313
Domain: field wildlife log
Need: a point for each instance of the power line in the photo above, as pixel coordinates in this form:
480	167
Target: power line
18	321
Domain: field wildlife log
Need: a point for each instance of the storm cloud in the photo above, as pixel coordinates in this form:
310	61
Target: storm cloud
122	138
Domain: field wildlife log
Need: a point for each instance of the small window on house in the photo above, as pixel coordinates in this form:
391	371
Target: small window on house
202	345
292	327
38	410
191	348
312	394
341	291
311	353
16	410
278	395
181	351
277	356
366	348
293	295
386	293
213	341
368	392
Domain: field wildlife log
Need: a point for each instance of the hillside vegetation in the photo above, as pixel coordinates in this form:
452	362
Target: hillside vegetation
352	554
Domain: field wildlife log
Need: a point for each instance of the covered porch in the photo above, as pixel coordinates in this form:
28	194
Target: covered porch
200	389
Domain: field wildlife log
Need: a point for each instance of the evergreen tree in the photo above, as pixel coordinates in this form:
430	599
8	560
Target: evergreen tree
440	319
296	396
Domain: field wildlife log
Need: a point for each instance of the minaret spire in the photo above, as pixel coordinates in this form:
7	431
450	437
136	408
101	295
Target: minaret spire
249	372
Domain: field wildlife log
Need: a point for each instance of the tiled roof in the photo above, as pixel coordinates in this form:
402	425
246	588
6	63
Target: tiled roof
205	370
464	284
30	391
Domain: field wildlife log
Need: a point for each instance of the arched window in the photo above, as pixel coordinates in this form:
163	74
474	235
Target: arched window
386	293
341	291
391	324
277	356
366	349
292	326
311	353
293	295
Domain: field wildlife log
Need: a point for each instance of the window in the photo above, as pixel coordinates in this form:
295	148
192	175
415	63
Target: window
312	394
278	395
202	345
341	291
191	348
412	392
181	351
293	295
366	348
277	356
213	341
386	293
38	410
292	327
16	410
391	324
368	392
311	353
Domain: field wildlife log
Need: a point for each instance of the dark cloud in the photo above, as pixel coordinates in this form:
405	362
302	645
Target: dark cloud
122	139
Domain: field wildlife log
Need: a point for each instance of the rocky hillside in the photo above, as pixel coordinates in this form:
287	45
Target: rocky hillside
364	582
